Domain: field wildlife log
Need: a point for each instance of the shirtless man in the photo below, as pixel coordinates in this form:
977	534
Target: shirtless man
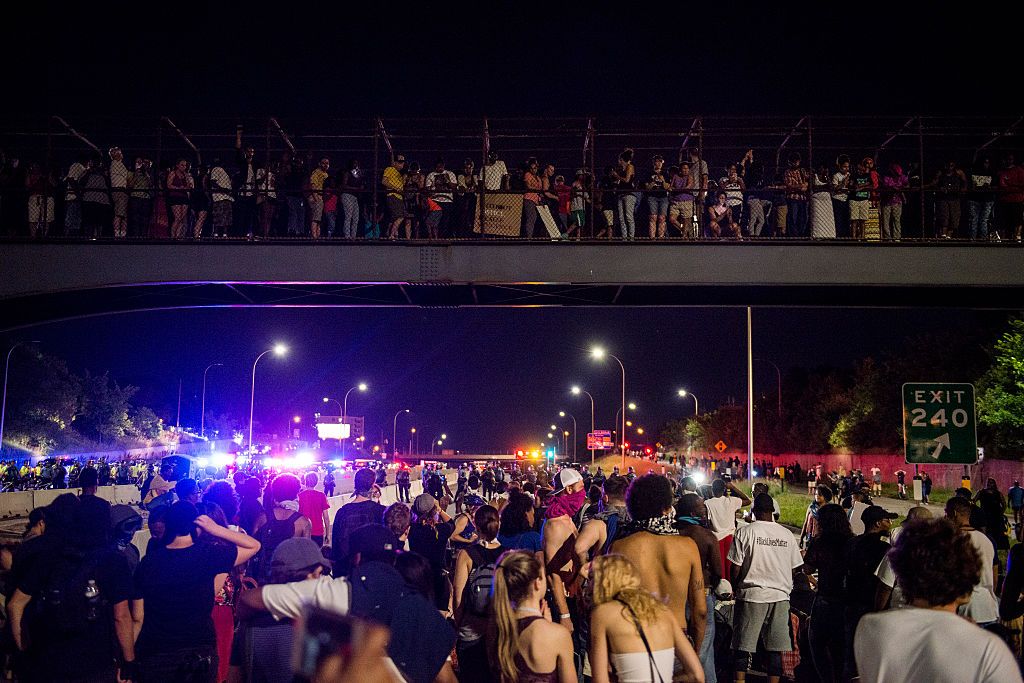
593	539
558	540
669	564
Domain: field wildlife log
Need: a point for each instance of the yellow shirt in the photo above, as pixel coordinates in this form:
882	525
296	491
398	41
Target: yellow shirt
394	181
316	179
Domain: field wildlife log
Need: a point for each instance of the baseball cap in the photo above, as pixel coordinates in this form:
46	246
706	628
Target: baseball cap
874	514
295	554
424	504
567	477
373	542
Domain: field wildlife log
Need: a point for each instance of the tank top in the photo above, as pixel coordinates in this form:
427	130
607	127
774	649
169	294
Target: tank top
526	674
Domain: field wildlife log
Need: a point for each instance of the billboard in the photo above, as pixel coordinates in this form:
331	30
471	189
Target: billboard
599	440
332	430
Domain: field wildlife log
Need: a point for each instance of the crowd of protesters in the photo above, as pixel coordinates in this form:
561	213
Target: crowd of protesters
540	574
305	195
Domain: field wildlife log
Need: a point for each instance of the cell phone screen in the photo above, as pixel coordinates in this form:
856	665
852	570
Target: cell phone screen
320	634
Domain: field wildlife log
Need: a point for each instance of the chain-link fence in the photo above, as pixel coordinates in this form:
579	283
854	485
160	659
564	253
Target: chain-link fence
693	178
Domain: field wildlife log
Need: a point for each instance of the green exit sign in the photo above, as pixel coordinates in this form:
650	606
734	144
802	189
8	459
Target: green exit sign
939	423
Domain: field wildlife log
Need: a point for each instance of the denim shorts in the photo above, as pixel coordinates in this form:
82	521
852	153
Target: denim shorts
657	206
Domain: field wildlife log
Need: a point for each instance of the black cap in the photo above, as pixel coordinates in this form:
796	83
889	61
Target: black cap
373	542
874	514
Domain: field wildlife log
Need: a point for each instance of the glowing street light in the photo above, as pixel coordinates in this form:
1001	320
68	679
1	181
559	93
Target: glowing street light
631	406
278	350
683	393
297	419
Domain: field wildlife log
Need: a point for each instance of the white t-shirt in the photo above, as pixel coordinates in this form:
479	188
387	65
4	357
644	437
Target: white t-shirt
441	197
767	553
75	174
219	179
916	645
856	524
722	514
286	600
118	174
887	576
983	606
491	174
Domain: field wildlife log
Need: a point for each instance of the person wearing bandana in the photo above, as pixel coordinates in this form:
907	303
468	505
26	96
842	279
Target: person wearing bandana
669	564
558	540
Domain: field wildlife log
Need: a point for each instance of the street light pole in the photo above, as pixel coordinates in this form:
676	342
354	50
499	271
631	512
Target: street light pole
202	405
277	350
600	353
577	391
684	393
562	413
344	413
778	377
394	430
3	405
328	399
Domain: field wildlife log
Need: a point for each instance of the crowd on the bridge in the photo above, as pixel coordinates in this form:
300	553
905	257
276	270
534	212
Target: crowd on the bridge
303	196
517	573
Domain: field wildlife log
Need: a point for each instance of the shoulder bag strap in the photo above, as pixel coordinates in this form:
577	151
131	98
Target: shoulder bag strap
643	637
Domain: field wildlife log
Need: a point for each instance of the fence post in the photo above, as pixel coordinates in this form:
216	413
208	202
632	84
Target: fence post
159	180
809	228
920	172
485	144
374	182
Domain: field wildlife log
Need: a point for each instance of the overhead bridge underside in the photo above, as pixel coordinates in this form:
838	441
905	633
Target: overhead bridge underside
41	282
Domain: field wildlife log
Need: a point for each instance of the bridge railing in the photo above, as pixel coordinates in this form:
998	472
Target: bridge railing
203	178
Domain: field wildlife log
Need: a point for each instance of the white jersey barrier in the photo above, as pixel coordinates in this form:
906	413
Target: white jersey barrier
20	503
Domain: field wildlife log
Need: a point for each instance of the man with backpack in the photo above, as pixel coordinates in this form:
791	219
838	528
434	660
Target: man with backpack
69	612
359	512
284	522
471	595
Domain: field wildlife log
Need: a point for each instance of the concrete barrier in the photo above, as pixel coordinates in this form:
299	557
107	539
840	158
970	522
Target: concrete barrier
44	497
16	504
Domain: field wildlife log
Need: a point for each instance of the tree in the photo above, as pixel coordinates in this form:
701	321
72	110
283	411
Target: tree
1001	390
145	423
105	406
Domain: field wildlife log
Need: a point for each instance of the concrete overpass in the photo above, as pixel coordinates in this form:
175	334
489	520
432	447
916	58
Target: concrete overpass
48	281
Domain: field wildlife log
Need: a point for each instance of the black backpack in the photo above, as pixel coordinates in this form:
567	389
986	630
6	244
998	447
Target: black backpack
477	594
61	607
271	535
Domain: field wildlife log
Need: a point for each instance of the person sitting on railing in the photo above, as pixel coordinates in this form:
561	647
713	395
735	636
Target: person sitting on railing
720	217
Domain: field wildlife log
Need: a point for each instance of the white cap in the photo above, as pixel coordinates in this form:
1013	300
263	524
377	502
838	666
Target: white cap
723	588
569	476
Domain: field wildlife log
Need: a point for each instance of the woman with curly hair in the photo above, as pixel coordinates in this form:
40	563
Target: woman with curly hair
632	634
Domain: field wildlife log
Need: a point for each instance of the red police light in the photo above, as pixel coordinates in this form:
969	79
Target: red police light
647	451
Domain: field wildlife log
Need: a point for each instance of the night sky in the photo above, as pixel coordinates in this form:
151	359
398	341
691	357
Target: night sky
491	379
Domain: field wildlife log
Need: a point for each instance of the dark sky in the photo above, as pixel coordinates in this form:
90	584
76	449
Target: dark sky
491	379
502	58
